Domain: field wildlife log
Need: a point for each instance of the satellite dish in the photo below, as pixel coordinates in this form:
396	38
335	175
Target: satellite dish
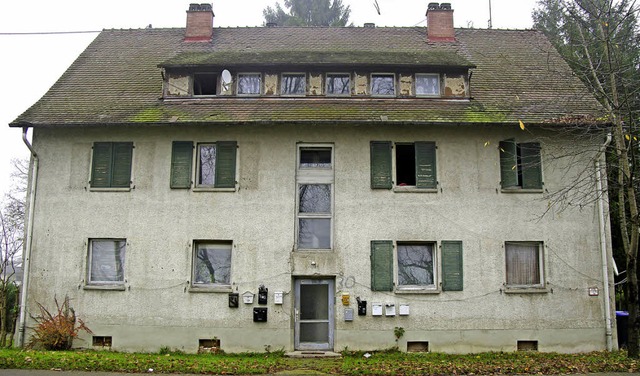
226	79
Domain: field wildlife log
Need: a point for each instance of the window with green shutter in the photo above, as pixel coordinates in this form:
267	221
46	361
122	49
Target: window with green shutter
415	165
181	162
111	165
520	165
452	265
216	164
382	265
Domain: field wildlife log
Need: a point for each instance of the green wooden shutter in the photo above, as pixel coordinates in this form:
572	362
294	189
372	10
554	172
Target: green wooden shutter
181	164
531	165
426	165
226	164
382	265
452	266
101	165
381	165
121	170
508	164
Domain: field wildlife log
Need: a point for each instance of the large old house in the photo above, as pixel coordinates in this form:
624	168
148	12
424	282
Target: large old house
313	188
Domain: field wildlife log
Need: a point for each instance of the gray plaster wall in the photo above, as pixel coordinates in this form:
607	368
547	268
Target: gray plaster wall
157	308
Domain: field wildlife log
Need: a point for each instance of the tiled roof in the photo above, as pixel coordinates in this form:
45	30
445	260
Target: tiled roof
118	80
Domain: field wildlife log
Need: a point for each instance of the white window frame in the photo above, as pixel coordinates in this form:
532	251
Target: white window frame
249	94
395	85
90	256
435	265
437	76
282	76
222	287
314	175
541	268
326	86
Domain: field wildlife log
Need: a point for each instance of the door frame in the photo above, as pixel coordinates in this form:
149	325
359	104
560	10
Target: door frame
319	346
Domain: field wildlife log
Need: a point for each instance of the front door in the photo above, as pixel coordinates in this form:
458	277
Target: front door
314	314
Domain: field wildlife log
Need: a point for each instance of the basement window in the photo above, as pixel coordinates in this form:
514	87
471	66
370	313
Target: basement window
527	345
101	341
205	84
417	346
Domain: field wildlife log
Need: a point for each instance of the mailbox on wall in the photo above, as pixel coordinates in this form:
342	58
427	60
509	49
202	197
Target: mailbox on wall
263	292
259	314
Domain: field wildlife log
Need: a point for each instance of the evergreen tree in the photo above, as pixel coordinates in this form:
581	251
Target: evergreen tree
308	13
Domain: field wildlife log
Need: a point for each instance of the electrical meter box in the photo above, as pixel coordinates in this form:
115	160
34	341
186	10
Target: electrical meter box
259	314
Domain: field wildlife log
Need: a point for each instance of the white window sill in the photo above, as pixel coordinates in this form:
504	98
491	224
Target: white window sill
322	250
211	289
212	189
426	290
125	189
520	190
525	290
413	189
105	287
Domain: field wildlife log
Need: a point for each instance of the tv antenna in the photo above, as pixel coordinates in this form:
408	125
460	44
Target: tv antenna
377	6
490	21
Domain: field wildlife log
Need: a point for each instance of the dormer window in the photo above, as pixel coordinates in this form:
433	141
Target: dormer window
338	84
293	84
428	85
205	84
383	84
249	83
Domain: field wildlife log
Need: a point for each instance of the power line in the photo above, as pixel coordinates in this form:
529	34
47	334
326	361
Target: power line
53	32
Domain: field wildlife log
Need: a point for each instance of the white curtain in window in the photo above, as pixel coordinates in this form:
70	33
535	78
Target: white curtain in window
523	263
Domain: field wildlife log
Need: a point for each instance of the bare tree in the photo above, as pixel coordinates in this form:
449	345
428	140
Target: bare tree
11	240
599	39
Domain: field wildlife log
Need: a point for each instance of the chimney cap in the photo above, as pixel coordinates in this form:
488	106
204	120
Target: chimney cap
369	25
445	6
433	6
204	7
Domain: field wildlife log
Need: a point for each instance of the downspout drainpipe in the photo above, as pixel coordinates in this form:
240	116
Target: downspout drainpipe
603	247
28	240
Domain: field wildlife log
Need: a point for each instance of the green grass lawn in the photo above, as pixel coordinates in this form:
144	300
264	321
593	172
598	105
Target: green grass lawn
352	363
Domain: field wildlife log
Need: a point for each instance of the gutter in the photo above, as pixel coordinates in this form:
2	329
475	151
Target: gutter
603	247
29	237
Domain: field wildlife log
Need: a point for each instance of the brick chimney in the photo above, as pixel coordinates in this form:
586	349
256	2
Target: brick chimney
199	23
440	23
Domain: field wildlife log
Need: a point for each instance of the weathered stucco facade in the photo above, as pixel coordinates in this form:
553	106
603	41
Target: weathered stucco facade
412	172
157	308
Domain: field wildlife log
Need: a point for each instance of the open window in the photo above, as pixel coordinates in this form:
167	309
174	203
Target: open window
412	165
520	165
205	84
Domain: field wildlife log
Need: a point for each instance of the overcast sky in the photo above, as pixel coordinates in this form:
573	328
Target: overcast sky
30	64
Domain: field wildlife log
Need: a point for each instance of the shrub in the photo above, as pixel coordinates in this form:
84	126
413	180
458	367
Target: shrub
56	331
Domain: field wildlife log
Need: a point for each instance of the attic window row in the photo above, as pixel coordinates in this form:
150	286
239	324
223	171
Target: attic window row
301	84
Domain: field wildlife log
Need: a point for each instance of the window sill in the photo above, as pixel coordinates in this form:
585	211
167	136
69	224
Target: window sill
212	189
413	189
520	190
525	290
124	189
417	291
322	250
105	287
211	289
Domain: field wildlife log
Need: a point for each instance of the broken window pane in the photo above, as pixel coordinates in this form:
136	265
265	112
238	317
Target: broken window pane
248	84
315	198
314	233
427	84
206	164
383	84
415	264
338	84
293	84
107	260
212	264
